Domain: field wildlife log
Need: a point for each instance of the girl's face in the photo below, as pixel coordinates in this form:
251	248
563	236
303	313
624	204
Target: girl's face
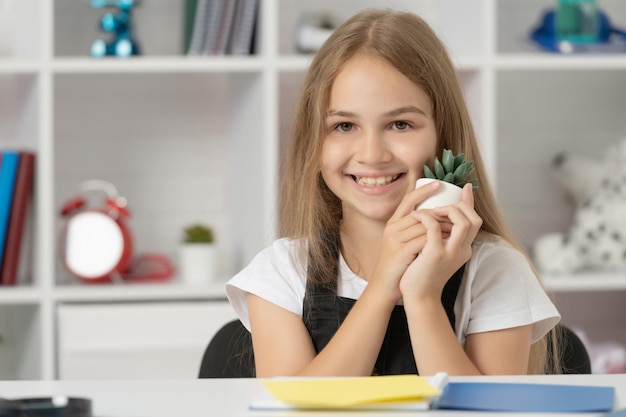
380	132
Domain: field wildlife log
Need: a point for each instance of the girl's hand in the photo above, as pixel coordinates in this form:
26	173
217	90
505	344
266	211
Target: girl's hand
403	238
441	255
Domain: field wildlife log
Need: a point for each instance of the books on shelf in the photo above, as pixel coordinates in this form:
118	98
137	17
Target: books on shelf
17	169
220	27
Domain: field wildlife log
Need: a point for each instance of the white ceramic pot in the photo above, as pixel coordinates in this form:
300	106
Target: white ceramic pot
448	194
198	263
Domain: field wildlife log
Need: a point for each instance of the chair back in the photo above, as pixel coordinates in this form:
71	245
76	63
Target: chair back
229	353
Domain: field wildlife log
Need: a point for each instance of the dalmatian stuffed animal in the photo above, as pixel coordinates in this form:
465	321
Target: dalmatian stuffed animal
596	240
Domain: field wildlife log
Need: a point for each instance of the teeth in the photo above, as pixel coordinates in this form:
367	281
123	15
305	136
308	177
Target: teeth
376	181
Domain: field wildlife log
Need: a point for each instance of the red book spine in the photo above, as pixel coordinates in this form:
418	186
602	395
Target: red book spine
22	196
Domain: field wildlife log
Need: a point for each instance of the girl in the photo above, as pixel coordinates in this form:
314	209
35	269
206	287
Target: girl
361	283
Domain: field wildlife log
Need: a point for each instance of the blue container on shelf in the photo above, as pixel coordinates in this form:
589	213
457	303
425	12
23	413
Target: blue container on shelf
577	21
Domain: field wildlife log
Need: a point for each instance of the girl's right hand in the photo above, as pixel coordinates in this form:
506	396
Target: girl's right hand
403	238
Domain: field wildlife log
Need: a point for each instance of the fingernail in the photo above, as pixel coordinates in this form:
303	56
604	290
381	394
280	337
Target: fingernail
434	184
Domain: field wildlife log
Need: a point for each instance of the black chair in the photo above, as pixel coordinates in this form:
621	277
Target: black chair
229	353
573	352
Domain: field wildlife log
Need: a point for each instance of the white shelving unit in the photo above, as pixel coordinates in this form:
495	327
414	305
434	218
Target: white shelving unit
188	139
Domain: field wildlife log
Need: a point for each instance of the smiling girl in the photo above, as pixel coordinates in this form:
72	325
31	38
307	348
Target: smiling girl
361	283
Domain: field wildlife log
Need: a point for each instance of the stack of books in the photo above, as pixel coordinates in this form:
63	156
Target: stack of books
16	194
220	27
416	393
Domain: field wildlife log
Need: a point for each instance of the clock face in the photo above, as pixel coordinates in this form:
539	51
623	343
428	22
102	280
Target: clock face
94	245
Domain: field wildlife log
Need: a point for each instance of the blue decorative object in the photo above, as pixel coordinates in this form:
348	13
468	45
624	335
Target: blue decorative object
120	24
607	38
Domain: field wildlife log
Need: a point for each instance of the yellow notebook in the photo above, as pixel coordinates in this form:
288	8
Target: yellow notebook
409	392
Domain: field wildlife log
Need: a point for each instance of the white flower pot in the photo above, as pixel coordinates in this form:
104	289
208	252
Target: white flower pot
198	263
448	194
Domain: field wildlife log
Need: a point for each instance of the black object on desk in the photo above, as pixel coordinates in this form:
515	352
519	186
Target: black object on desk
57	406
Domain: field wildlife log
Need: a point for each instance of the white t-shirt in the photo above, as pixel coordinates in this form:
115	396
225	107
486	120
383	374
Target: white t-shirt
498	289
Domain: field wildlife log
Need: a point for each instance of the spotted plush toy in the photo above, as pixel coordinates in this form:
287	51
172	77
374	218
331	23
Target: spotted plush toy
596	240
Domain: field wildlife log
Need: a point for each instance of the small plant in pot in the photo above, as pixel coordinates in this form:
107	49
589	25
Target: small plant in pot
453	171
198	255
198	233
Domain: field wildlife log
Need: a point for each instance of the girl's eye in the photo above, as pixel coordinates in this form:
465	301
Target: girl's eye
344	127
400	125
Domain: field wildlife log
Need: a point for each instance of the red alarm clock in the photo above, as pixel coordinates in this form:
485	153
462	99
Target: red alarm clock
96	244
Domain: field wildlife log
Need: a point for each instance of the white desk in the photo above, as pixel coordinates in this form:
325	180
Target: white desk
230	397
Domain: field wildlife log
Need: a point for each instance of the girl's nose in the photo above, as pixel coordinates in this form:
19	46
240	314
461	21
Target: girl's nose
372	148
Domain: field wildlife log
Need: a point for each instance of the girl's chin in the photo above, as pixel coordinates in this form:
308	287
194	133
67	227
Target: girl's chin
373	215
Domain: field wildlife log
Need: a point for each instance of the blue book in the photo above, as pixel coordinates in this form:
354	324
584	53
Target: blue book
8	171
526	397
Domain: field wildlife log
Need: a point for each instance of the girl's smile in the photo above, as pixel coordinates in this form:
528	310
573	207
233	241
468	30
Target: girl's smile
368	181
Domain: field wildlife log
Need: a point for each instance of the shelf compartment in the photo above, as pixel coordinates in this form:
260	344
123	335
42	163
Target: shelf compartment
596	313
539	115
20	352
19	111
195	138
445	16
136	340
21	29
157	26
516	19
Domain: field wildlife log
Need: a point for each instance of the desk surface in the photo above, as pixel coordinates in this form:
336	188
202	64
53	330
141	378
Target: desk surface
230	397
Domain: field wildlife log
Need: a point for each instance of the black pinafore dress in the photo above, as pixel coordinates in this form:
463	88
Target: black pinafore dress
324	311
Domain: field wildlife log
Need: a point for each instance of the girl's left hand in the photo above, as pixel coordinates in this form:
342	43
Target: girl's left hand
442	255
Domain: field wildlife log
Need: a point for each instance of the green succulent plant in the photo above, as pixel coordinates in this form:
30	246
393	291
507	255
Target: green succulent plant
198	233
452	168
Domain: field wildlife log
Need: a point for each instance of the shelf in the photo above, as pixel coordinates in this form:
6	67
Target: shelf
19	295
537	61
174	64
299	63
586	282
294	63
19	66
139	292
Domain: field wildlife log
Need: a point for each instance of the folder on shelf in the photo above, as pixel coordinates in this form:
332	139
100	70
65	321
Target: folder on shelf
196	41
225	27
213	17
16	229
243	28
8	172
189	17
412	392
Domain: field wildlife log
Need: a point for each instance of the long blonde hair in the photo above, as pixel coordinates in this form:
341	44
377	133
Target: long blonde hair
309	209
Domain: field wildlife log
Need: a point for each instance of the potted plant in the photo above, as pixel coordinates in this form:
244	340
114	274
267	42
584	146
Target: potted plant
198	255
453	171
